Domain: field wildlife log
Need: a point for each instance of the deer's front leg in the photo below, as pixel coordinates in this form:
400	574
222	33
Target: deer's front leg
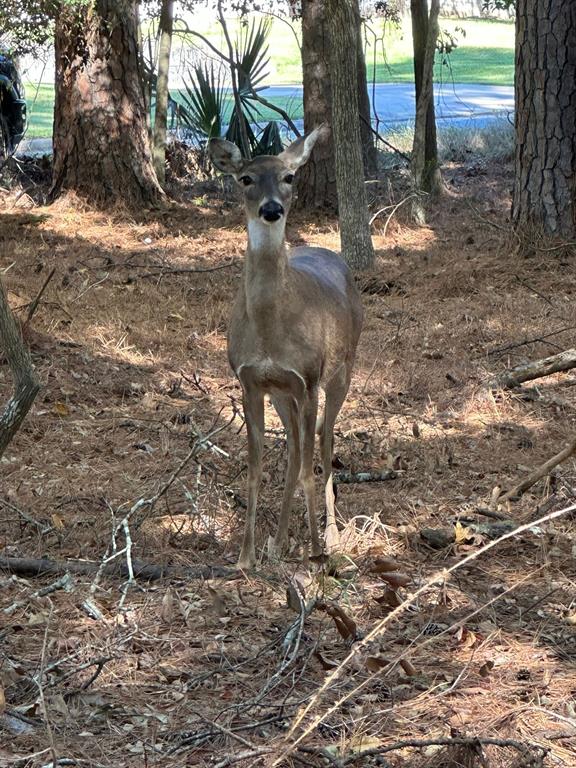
253	401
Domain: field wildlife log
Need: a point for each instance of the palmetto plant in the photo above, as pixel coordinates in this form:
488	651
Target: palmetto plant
206	106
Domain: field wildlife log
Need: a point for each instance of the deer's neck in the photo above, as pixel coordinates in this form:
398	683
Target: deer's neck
265	271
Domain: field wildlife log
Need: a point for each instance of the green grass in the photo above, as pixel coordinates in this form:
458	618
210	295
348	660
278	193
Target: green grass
485	54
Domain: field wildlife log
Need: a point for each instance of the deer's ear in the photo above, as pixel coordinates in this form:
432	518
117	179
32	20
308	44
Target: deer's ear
299	151
225	155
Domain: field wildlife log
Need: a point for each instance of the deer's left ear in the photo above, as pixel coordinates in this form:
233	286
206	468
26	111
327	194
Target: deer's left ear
300	150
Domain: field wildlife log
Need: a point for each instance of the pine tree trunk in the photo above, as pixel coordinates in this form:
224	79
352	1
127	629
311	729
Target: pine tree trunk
357	249
418	163
161	114
317	179
101	146
420	23
545	89
369	152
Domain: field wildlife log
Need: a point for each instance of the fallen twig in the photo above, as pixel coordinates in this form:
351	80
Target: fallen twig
34	304
563	361
185	270
64	582
514	493
364	477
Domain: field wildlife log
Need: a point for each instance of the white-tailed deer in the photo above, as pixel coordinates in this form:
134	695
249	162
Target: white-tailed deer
294	328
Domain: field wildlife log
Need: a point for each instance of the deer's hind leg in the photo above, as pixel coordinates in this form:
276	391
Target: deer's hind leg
336	391
308	416
287	409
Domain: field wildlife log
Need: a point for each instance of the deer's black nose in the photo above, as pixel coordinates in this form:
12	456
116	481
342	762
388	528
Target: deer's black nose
271	211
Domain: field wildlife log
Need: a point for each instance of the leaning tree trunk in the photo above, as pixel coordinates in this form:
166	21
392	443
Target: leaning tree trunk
161	114
101	146
25	382
357	248
418	163
369	152
545	89
431	176
317	179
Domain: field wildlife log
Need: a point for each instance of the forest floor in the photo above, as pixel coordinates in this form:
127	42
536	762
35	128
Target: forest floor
206	668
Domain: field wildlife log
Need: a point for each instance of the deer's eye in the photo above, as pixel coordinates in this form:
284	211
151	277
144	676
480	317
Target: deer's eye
245	180
289	178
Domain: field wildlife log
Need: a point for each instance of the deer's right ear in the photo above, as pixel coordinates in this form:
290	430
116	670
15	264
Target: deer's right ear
225	155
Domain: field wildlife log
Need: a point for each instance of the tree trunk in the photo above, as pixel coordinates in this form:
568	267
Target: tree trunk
545	89
418	165
101	146
26	384
369	152
357	249
419	13
317	179
161	115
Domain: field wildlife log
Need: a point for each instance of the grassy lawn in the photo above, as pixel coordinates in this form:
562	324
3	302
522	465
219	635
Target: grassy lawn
485	54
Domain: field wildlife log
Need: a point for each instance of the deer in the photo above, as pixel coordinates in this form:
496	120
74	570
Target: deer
293	330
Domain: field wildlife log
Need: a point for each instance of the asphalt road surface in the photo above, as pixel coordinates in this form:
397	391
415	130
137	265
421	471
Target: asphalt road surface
456	104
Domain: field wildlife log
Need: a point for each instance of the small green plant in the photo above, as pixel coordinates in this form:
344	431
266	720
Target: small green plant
207	105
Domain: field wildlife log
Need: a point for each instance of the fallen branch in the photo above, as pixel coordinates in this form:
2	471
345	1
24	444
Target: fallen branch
529	752
513	377
26	384
25	566
514	493
64	582
364	477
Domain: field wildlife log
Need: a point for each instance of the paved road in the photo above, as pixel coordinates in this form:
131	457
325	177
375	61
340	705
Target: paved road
395	104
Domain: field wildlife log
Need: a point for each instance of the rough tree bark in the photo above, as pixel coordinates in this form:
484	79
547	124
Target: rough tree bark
161	114
545	89
357	249
101	146
418	164
26	384
317	179
369	152
419	13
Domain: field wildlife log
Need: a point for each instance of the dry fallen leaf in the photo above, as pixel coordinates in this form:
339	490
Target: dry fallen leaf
57	521
486	668
396	579
325	663
61	409
461	533
408	667
384	565
376	663
388	597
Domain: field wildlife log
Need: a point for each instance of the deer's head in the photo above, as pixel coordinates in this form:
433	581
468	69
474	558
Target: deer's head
266	182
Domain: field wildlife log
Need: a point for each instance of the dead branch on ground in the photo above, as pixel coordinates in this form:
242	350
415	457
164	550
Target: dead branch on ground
514	493
26	384
26	566
513	377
